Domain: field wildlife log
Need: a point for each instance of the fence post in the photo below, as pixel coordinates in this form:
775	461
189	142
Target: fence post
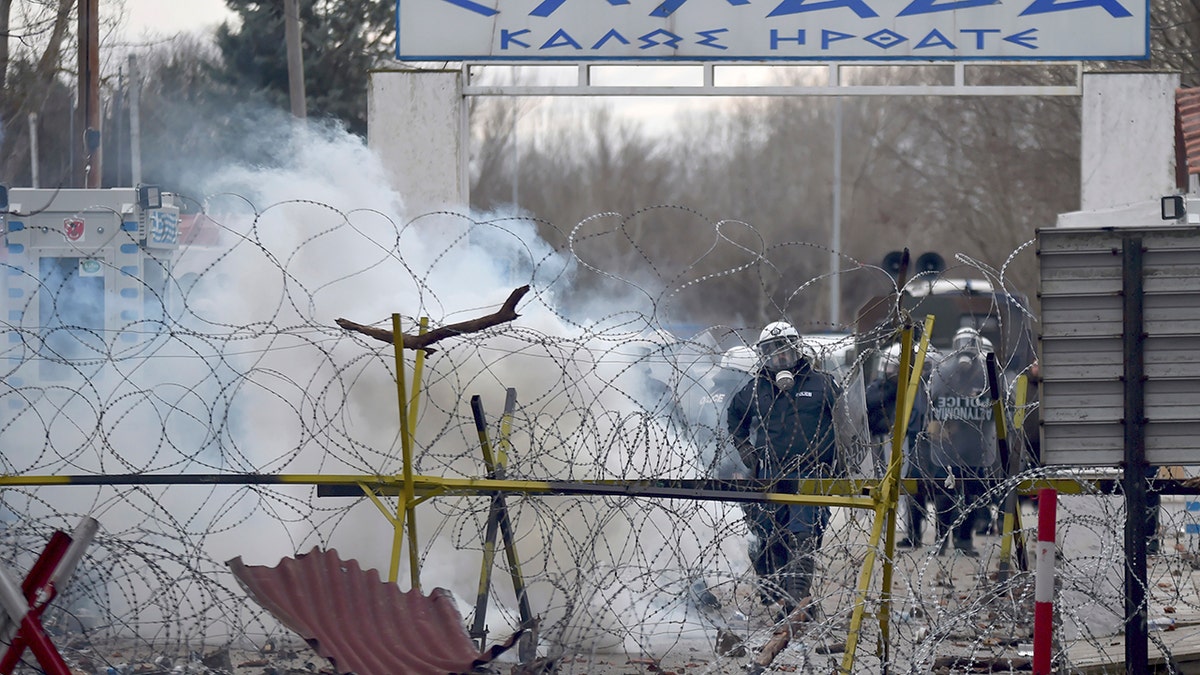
1043	588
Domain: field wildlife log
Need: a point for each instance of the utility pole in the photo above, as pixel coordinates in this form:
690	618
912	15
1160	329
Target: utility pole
89	91
295	58
135	123
835	248
34	169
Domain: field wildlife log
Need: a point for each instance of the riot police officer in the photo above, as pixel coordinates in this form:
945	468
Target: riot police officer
962	435
782	423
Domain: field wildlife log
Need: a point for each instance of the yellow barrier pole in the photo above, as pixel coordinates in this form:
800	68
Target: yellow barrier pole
883	504
895	468
418	371
527	648
479	628
1019	403
383	508
1012	505
506	419
409	430
918	366
405	514
886	500
900	426
811	491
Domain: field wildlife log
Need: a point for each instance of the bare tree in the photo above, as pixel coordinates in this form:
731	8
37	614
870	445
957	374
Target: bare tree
31	69
974	176
1174	42
5	15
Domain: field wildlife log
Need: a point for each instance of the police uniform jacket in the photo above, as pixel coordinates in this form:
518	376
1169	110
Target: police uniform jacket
793	430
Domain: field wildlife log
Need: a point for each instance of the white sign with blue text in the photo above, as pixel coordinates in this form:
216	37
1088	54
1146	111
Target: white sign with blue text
797	30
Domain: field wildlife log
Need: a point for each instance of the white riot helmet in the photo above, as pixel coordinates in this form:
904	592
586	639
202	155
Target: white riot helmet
932	358
890	360
779	346
740	358
970	346
969	338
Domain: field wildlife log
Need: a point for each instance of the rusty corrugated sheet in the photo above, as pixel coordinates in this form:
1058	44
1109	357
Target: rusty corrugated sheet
197	229
1187	102
360	623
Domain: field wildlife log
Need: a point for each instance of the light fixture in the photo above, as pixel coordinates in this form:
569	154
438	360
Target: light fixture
149	197
1173	207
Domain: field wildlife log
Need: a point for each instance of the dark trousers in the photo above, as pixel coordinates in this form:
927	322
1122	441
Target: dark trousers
927	478
789	537
957	507
917	502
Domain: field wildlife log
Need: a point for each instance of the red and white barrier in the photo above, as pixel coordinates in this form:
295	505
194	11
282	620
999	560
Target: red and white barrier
1043	588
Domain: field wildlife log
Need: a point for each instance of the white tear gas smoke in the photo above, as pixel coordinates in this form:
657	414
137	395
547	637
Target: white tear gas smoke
229	361
587	408
240	368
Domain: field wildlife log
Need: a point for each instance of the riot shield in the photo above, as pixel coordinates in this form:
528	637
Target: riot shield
961	430
852	432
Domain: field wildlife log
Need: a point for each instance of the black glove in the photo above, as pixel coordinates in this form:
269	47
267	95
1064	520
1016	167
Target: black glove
748	453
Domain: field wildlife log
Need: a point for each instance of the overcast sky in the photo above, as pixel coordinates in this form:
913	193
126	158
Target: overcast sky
145	21
167	17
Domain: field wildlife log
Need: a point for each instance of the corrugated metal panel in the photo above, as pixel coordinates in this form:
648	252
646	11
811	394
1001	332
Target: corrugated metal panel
1188	103
1082	360
360	623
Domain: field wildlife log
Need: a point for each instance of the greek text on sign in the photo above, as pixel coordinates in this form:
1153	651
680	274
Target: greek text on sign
820	30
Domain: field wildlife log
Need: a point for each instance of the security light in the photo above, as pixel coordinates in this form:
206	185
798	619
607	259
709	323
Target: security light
1173	207
149	197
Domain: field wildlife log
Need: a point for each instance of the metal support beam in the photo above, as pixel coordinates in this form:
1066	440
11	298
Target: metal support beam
1132	339
834	83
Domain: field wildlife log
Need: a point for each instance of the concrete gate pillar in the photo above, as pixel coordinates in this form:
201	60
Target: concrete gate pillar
1128	139
417	124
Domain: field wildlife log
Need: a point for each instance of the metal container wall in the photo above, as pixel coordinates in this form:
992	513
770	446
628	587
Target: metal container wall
1082	361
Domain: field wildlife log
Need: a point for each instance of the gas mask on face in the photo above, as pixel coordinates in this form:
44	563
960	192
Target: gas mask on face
780	357
784	380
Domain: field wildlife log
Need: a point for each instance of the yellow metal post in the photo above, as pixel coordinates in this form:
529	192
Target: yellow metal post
499	515
383	508
405	507
505	442
495	471
1011	531
1019	404
409	430
895	467
918	365
884	503
418	371
886	500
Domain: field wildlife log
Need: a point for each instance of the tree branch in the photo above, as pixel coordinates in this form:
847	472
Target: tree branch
506	313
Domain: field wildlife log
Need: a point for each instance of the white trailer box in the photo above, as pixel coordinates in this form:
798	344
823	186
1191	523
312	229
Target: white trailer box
84	275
